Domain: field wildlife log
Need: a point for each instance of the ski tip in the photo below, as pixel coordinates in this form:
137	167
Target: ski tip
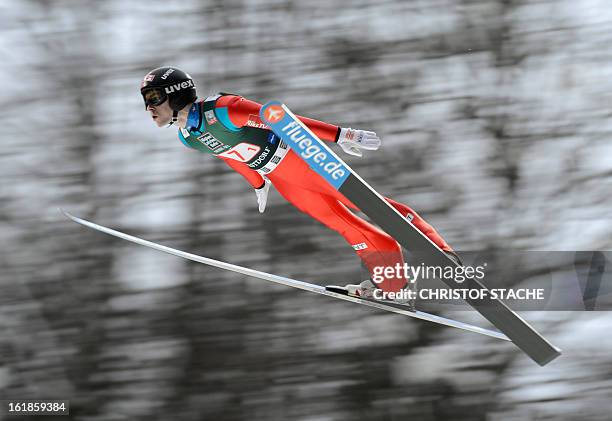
67	214
72	217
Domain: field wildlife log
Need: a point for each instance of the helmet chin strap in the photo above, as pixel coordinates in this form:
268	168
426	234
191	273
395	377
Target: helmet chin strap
174	118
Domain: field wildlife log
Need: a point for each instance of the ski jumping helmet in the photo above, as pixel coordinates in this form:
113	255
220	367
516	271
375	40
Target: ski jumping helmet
168	83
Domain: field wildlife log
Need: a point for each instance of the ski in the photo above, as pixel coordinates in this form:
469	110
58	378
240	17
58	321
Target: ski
380	305
339	175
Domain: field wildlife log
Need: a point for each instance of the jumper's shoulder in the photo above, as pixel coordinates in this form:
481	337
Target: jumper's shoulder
227	100
212	98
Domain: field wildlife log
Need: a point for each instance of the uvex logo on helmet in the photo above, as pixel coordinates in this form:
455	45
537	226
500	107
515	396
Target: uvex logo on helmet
178	86
165	75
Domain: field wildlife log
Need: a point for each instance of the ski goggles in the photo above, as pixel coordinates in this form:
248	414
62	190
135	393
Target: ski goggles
154	97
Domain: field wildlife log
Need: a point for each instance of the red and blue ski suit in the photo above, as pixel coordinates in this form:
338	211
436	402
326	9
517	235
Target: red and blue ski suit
229	127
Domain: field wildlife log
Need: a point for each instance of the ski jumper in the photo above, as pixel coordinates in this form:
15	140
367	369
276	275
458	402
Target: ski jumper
229	127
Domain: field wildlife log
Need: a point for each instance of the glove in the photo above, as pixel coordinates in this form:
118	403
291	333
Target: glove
262	195
352	141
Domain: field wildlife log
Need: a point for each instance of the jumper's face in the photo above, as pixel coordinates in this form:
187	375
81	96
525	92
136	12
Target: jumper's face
157	104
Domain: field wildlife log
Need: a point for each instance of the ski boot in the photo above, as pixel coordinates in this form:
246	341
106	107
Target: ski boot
366	290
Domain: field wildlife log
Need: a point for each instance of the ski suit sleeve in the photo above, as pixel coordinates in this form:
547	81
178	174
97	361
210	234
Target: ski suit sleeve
252	176
240	110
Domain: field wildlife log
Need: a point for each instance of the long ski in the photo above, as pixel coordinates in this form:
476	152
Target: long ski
290	282
338	174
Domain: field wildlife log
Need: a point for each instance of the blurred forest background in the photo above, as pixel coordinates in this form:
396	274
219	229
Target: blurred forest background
495	120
